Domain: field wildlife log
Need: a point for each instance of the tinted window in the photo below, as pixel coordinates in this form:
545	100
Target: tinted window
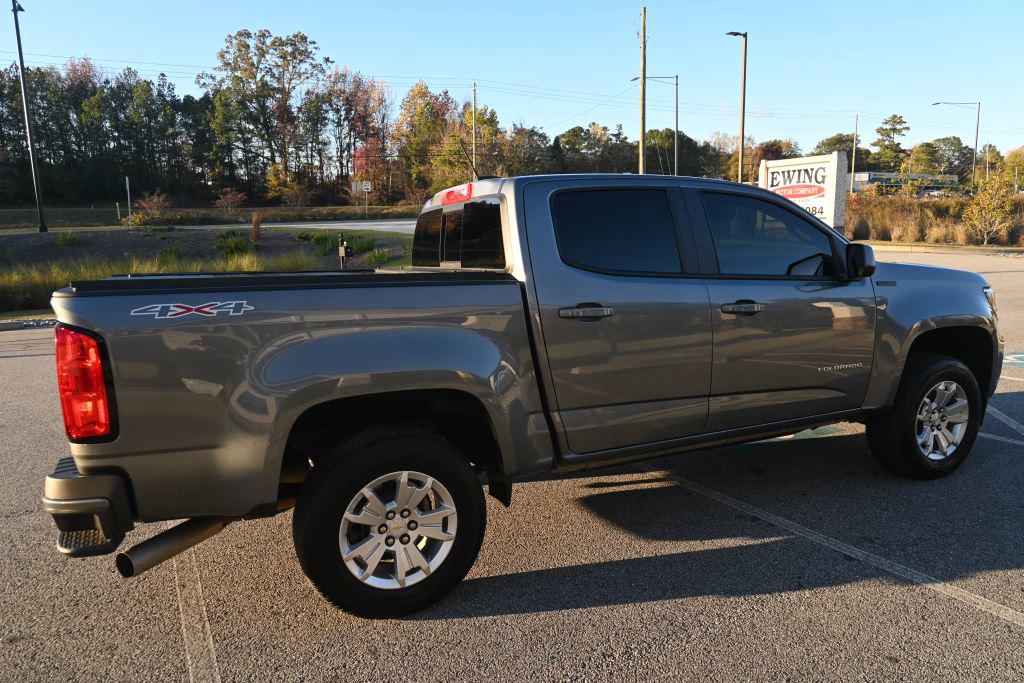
616	230
483	245
426	244
755	237
452	243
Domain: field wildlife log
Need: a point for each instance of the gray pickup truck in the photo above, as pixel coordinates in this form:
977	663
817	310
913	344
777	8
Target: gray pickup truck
549	323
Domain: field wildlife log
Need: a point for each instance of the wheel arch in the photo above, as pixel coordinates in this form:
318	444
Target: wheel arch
459	417
972	345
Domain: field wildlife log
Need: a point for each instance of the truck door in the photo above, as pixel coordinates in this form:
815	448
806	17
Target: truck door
792	338
624	320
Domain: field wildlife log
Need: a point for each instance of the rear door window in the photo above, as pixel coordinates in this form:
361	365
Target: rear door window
621	231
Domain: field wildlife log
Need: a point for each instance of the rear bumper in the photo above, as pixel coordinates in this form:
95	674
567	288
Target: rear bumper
91	511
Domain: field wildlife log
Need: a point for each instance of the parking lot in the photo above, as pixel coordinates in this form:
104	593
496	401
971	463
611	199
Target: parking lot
795	558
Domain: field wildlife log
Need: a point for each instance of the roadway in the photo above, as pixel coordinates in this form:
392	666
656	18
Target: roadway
794	558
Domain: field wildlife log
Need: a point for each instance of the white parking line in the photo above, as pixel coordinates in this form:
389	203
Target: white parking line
1016	379
978	602
200	655
1006	419
995	437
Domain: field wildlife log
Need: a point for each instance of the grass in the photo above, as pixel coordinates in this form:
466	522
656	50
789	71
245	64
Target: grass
29	286
67	239
26	315
230	243
25	218
378	257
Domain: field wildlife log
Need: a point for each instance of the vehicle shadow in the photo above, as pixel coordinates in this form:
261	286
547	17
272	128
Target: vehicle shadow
949	528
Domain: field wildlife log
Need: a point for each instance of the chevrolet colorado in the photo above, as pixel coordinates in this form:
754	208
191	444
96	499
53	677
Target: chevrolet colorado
548	323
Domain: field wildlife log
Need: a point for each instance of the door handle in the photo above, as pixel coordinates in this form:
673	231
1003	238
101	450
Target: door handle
586	312
743	308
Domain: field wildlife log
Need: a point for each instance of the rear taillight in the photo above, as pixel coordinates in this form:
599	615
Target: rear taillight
83	389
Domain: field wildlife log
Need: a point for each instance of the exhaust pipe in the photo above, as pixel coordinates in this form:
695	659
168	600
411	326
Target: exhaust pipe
167	544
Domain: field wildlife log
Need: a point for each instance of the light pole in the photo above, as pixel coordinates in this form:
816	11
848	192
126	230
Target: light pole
675	137
15	8
977	127
743	100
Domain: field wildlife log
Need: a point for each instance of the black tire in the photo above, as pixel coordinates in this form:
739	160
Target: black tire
892	436
336	481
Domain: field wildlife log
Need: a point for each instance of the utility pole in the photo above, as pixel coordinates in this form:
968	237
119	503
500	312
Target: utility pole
642	166
977	127
128	189
675	131
853	164
743	101
675	135
15	8
474	129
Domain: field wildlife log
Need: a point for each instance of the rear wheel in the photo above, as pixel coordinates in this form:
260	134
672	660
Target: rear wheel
391	526
934	421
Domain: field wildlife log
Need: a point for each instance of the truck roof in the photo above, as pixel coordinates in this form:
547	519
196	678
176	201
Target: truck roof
492	185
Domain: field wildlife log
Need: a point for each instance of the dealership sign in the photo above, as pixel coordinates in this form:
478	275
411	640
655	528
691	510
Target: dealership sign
817	184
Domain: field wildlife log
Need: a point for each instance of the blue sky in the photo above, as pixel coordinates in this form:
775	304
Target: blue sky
812	64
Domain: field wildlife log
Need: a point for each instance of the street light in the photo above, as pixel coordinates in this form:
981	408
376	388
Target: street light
743	99
15	8
977	126
675	137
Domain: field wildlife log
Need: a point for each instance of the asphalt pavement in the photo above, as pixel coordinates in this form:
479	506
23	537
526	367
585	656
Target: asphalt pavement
795	558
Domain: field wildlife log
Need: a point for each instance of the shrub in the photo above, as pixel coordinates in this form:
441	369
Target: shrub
304	236
228	200
377	257
67	239
327	242
153	204
295	195
256	222
171	253
230	243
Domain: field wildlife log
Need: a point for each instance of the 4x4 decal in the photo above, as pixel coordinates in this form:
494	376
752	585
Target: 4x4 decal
161	311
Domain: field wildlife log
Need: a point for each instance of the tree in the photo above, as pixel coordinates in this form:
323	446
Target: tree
843	142
990	160
923	158
953	157
990	212
1013	167
890	152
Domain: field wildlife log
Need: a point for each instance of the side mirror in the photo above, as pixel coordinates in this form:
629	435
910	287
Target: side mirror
860	261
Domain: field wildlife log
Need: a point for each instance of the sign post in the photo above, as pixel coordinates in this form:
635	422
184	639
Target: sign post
367	189
817	184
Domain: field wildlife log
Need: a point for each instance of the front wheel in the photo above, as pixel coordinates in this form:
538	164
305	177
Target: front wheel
934	421
391	526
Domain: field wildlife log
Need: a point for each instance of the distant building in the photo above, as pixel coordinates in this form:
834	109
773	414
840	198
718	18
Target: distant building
928	181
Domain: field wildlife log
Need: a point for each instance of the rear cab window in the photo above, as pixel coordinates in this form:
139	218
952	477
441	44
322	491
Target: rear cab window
463	235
